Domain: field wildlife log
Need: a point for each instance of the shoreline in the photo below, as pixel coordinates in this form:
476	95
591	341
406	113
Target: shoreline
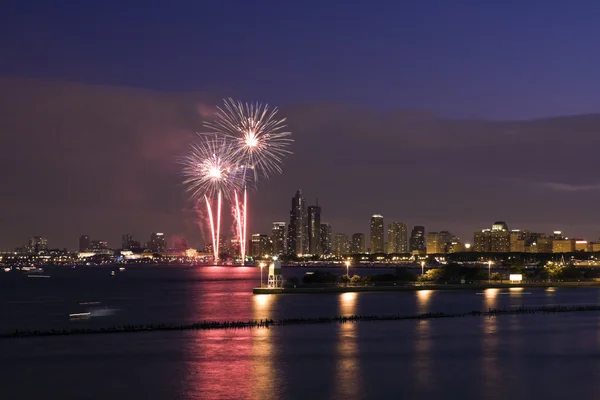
414	288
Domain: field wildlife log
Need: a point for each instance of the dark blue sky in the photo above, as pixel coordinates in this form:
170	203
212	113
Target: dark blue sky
500	59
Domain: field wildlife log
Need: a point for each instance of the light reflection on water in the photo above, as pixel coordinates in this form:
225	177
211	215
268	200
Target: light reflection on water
348	380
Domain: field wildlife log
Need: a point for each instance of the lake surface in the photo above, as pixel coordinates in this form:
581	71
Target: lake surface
516	356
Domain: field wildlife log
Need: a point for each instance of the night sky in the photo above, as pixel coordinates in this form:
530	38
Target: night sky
449	114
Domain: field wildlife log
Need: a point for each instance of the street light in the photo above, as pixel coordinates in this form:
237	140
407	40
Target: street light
262	265
489	271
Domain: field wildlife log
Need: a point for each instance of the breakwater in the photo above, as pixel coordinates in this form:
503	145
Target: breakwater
267	323
427	286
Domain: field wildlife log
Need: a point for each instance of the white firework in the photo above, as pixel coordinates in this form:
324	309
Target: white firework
258	138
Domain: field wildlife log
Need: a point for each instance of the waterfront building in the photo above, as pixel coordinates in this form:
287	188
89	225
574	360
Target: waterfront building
37	245
84	243
278	239
261	245
326	244
341	244
397	238
417	239
314	230
297	229
500	237
437	242
377	232
358	245
157	242
126	241
563	245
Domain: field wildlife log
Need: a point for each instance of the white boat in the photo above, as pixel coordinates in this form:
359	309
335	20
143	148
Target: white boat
122	269
6	269
32	269
80	315
112	273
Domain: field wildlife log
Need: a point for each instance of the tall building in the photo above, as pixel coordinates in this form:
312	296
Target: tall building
297	229
500	237
397	238
517	241
157	242
278	238
126	241
84	243
314	230
326	245
358	244
482	241
417	239
260	245
37	244
438	242
377	234
98	245
341	244
563	245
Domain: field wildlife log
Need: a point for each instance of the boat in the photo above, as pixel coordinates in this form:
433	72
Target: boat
80	315
122	269
32	269
112	273
6	269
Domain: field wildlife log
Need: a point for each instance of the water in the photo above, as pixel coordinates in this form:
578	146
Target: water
521	357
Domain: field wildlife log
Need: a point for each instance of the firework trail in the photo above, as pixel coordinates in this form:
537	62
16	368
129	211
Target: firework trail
259	142
211	172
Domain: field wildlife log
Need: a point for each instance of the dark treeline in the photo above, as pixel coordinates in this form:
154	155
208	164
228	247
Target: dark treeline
267	323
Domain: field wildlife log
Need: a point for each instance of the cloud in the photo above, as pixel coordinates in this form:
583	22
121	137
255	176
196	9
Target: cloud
568	187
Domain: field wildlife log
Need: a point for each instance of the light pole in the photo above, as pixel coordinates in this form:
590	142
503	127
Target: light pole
489	271
262	265
347	271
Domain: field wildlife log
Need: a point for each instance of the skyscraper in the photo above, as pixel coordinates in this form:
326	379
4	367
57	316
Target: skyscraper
377	234
397	238
157	242
341	244
314	230
326	246
260	245
84	243
417	239
37	244
297	230
278	238
437	242
126	240
358	244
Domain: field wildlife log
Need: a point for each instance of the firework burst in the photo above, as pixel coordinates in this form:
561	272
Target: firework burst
258	138
211	168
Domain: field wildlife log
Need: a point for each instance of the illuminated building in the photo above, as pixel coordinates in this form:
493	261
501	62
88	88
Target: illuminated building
341	244
563	245
377	234
84	243
417	239
314	230
358	244
482	242
582	245
37	245
595	247
278	238
297	229
126	241
495	240
436	242
157	242
517	241
326	245
98	246
260	245
397	238
544	245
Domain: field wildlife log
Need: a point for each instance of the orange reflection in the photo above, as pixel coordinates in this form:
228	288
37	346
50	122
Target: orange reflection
264	351
423	298
422	358
490	368
490	298
347	379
